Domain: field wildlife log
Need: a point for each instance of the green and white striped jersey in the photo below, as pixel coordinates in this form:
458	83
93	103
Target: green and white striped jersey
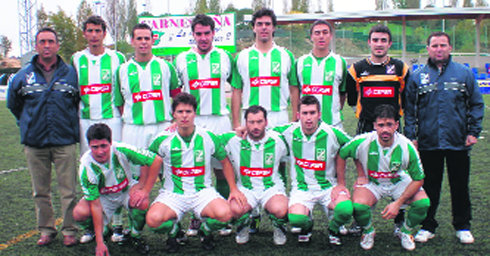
187	166
95	74
144	91
113	177
264	78
325	79
384	164
256	162
313	157
205	76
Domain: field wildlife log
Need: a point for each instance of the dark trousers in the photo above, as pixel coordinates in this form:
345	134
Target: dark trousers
458	170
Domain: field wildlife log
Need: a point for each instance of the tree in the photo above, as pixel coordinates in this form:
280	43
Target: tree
481	3
42	18
214	6
406	4
132	18
84	11
201	7
329	5
467	3
300	6
5	45
115	17
66	29
258	4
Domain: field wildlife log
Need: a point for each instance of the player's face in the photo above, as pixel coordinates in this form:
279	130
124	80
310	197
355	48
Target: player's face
204	38
385	127
309	117
439	49
184	115
379	43
321	37
46	45
263	29
101	150
142	42
94	35
256	124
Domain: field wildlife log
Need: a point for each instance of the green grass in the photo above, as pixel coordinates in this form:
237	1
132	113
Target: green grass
18	217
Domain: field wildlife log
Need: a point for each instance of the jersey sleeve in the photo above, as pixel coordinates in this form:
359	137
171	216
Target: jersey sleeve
281	128
350	149
292	76
343	83
342	137
219	150
137	156
89	181
232	66
414	169
121	58
236	81
155	145
118	98
174	79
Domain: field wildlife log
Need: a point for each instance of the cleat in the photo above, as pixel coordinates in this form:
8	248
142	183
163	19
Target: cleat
304	237
87	237
226	231
172	245
140	245
295	230
242	235
343	230
334	238
397	230
465	236
194	227
206	241
367	240
407	241
423	236
46	239
254	224
279	236
354	229
118	235
181	238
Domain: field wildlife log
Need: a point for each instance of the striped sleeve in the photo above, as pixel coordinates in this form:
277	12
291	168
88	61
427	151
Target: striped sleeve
350	149
414	169
292	76
219	150
137	156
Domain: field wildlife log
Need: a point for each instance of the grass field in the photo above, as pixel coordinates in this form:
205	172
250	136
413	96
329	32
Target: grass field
18	219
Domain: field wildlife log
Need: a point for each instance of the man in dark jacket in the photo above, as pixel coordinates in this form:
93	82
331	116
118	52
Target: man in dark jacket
443	115
43	97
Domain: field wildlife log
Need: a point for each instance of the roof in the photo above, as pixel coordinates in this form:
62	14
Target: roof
392	14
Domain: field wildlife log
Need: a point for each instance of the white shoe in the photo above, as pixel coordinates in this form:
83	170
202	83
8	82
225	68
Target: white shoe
304	238
225	231
367	240
193	227
279	236
87	237
465	236
407	241
242	235
343	230
295	230
397	230
424	235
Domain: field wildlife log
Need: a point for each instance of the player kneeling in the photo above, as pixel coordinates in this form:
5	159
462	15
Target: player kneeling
107	184
187	172
388	165
256	160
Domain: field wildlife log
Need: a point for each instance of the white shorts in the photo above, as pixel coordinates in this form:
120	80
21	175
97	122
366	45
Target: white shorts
273	118
114	123
256	197
141	136
216	124
388	189
310	198
181	204
111	203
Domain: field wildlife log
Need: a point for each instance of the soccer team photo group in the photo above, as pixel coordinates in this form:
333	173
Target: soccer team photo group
209	149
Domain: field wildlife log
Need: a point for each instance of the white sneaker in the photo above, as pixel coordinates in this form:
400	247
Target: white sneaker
397	230
304	238
424	235
343	230
279	236
193	227
87	237
407	241
242	235
465	236
367	240
225	231
295	230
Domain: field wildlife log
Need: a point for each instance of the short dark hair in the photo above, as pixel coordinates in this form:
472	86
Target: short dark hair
385	111
380	28
47	29
438	34
95	20
254	110
141	26
203	20
309	100
99	131
184	98
264	12
321	22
